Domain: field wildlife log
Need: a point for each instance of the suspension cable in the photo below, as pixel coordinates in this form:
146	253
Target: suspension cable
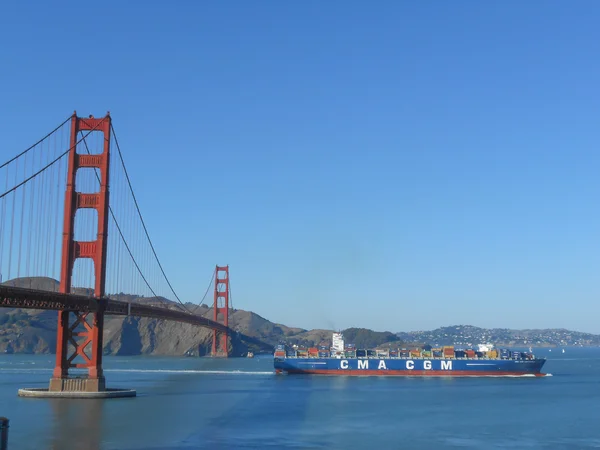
121	233
34	145
142	219
230	304
51	163
212	276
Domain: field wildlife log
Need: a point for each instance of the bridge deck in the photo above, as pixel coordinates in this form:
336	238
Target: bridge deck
17	297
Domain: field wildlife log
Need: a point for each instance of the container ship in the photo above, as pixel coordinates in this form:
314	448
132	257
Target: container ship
341	359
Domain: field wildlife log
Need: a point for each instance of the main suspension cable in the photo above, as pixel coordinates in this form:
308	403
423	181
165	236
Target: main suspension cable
34	145
51	163
121	233
212	276
142	219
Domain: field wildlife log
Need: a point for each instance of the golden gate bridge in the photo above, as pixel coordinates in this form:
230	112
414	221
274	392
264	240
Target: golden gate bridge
103	259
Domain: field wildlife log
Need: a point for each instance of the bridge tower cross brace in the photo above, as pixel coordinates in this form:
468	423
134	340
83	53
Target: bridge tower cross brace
86	343
221	305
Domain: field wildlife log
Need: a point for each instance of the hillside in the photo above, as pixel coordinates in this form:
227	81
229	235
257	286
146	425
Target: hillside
30	331
34	331
468	335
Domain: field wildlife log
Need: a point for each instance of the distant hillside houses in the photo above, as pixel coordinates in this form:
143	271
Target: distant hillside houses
468	336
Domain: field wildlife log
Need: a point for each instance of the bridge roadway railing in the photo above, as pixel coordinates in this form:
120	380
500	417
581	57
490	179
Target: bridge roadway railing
18	297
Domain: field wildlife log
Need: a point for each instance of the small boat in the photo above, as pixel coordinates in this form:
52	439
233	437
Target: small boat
250	355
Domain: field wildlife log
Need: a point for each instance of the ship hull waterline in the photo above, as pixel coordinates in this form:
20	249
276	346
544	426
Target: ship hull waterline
411	367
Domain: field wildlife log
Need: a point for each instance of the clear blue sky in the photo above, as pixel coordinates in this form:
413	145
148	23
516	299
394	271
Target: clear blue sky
397	166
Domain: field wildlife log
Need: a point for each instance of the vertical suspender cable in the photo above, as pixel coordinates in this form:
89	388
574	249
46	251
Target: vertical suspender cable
2	226
12	223
56	209
38	219
30	228
23	196
142	219
47	206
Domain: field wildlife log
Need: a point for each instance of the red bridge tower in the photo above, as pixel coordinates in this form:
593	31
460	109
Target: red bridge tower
83	338
221	306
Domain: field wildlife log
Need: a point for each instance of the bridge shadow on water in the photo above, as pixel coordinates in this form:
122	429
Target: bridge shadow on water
279	413
77	424
225	410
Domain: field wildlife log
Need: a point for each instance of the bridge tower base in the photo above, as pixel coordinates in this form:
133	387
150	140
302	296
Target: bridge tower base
221	306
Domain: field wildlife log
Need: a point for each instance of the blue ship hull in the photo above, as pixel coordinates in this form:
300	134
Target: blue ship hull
410	367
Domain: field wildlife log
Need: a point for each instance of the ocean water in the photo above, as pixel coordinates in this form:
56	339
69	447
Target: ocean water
186	403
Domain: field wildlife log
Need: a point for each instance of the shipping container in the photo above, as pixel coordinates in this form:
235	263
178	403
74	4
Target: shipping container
361	353
404	353
323	354
371	354
350	354
437	353
459	354
470	353
492	354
